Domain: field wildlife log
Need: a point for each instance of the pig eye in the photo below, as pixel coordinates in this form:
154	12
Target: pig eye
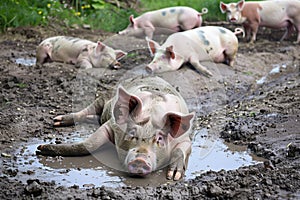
132	133
160	140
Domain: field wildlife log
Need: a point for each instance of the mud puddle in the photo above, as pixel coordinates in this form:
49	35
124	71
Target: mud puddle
26	61
103	167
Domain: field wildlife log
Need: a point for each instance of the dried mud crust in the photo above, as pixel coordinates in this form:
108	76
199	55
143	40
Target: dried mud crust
263	117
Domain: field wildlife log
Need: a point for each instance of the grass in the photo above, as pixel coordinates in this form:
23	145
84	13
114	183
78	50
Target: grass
97	13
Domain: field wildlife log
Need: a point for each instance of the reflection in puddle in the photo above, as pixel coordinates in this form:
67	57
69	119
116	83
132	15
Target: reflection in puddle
276	69
26	62
207	154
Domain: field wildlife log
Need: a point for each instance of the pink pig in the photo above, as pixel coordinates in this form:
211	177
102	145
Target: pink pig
207	43
274	14
82	53
148	122
173	18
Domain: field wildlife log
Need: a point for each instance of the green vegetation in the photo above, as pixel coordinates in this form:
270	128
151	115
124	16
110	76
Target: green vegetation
99	14
22	85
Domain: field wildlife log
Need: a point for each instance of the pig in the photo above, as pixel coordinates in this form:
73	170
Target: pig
201	44
82	53
273	14
175	19
147	120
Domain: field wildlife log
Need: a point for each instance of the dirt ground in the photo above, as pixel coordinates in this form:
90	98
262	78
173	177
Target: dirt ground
256	103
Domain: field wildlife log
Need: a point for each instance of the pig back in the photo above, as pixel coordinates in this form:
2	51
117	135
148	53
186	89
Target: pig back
152	84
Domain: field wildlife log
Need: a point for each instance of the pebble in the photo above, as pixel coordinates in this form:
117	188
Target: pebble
5	155
215	190
34	188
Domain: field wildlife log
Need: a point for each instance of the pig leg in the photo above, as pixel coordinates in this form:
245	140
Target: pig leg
254	29
248	32
289	30
200	68
149	30
297	27
85	64
179	161
298	38
230	57
91	144
90	113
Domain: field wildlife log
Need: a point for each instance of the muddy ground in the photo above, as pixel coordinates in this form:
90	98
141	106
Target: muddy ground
256	103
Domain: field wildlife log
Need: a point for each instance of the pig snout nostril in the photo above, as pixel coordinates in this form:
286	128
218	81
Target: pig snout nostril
117	65
139	167
233	19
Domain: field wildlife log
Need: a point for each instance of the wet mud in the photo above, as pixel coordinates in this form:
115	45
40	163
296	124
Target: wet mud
247	125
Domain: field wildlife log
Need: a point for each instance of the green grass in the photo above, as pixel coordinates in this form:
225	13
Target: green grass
97	13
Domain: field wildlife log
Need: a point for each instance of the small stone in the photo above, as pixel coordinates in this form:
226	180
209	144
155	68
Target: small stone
215	190
34	188
5	155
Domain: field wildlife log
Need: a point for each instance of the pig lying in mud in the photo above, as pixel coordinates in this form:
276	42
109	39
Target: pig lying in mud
208	43
174	19
147	120
82	53
273	14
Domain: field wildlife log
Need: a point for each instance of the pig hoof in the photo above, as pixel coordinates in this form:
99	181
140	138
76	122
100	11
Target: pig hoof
64	120
44	150
207	74
174	175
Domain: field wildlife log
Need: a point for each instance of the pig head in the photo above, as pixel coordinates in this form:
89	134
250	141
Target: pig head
149	124
82	53
273	14
165	58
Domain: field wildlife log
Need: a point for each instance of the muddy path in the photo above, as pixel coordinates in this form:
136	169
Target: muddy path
254	105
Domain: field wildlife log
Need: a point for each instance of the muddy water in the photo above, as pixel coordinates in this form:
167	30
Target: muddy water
25	61
103	168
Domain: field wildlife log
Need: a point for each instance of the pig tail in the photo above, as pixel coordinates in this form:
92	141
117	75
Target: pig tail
204	11
238	31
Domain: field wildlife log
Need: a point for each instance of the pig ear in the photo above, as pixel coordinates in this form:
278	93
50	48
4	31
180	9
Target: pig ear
100	46
125	106
131	19
240	5
169	52
152	46
177	124
120	54
223	7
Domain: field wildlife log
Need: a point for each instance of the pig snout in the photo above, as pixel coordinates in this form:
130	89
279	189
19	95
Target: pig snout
232	19
139	166
116	65
140	161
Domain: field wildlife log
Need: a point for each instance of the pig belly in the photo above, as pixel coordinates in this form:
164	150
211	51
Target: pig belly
274	14
67	49
66	55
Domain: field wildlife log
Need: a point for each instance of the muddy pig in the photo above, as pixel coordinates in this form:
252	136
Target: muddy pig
273	14
174	19
82	53
147	120
201	44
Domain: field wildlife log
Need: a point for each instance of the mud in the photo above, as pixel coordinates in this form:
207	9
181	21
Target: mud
254	104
